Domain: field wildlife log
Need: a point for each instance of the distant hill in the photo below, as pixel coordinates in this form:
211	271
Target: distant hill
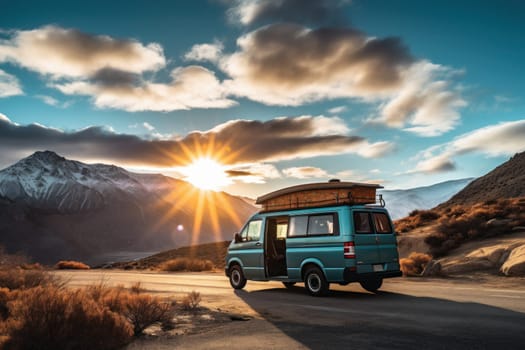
505	181
52	208
401	202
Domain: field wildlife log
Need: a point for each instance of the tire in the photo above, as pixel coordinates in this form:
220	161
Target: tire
237	279
315	282
289	285
372	284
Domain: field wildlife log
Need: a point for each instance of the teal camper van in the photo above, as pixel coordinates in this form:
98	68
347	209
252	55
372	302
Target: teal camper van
321	233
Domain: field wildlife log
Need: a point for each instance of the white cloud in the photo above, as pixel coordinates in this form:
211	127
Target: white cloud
376	149
9	85
60	52
425	103
505	138
306	172
289	64
191	87
205	52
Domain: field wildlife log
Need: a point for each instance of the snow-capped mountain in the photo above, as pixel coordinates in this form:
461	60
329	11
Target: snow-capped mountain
401	202
48	181
53	208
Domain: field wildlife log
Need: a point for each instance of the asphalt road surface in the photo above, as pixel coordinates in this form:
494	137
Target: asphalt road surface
405	314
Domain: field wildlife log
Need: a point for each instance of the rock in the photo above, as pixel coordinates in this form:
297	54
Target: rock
462	266
492	254
433	268
515	264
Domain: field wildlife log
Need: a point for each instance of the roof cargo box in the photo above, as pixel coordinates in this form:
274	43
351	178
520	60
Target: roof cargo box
333	192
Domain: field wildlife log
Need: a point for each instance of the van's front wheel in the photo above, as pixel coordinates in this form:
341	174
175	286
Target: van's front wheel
371	284
237	279
315	283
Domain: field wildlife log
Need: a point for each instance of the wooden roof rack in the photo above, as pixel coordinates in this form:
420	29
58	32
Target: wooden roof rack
333	192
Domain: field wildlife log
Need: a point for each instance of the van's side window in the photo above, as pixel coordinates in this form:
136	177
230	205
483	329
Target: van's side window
313	225
381	223
321	225
298	226
362	223
252	231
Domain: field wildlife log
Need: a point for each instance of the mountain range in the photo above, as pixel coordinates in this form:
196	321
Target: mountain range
52	208
401	202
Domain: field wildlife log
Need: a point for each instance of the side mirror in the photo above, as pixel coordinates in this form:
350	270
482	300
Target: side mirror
237	237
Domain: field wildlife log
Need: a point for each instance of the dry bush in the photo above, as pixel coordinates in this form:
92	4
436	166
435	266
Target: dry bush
140	310
137	288
71	265
54	318
191	301
415	219
414	264
462	223
143	310
16	278
186	264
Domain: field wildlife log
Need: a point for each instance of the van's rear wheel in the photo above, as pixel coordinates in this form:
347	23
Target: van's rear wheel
315	283
237	279
372	284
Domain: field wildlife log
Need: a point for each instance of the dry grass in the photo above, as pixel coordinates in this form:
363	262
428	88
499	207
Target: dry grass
37	312
459	223
414	264
186	264
415	219
71	265
55	318
16	278
191	301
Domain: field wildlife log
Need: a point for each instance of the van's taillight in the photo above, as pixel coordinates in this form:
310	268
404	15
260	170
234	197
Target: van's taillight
349	251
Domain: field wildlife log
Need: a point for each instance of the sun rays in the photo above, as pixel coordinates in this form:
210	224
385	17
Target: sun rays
202	167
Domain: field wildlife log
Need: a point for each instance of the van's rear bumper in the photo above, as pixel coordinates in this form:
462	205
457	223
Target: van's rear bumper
353	276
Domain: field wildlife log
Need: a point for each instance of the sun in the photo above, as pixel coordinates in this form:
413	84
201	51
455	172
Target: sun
206	174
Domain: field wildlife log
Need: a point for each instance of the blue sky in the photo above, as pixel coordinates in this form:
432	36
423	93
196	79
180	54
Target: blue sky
281	92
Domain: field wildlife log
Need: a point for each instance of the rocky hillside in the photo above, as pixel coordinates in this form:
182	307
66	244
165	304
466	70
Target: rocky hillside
52	208
506	181
479	229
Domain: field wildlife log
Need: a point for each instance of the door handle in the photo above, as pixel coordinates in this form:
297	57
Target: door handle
258	244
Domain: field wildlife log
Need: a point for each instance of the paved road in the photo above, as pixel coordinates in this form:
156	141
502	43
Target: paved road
406	314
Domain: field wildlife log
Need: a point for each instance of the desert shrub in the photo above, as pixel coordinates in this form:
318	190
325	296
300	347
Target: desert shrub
143	310
16	278
461	223
414	264
54	318
415	219
186	264
136	288
140	310
71	265
191	301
